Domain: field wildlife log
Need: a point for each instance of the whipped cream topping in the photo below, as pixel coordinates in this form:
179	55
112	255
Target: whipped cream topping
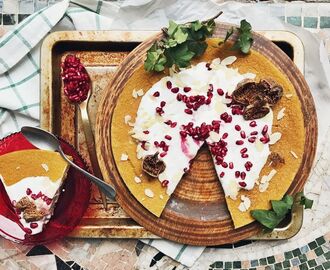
163	119
30	186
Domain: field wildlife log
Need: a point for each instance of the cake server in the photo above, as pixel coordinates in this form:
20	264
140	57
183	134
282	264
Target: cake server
47	141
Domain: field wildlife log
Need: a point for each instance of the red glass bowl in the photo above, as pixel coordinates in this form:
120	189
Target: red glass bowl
70	208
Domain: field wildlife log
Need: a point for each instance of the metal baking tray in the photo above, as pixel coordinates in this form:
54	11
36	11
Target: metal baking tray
101	52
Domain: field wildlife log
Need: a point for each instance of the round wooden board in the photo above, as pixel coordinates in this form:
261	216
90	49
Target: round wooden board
181	225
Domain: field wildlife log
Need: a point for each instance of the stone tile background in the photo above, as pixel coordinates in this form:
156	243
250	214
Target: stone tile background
305	252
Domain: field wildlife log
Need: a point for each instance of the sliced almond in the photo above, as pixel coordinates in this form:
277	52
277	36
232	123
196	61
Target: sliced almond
275	137
140	92
149	193
281	114
127	118
137	180
134	94
161	196
124	157
228	60
293	154
45	167
289	96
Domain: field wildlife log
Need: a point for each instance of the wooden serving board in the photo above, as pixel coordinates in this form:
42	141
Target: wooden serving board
180	224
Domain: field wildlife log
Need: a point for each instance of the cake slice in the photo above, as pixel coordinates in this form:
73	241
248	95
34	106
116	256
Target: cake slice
33	181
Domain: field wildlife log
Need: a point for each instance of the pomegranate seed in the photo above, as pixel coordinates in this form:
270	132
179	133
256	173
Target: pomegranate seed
225	135
264	130
173	125
163	154
143	146
39	195
224	116
165	183
222	174
162	144
237	127
175	90
243	135
220	92
28	191
265	139
239	142
219	158
168	137
162	104
159	110
229	119
168	84
156	143
33	225
252	139
188	111
156	94
179	97
245	155
242	184
210	87
208	66
190	124
48	201
183	134
186	89
253	133
253	124
146	131
168	122
243	175
34	196
224	164
244	150
189	105
237	174
28	230
231	165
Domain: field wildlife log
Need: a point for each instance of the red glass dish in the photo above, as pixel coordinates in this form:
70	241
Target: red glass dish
69	209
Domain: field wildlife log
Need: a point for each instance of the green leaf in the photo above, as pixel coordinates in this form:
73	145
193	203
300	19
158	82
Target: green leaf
180	36
280	208
267	218
179	55
308	203
196	25
288	199
172	27
245	26
198	48
155	59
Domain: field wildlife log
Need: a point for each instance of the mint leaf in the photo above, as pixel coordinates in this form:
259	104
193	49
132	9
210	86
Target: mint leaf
179	56
155	59
172	28
196	25
288	199
245	26
180	36
267	218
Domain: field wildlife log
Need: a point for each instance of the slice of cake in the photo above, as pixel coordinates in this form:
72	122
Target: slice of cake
33	180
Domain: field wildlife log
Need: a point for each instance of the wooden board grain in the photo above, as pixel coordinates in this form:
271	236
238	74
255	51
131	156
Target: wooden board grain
184	229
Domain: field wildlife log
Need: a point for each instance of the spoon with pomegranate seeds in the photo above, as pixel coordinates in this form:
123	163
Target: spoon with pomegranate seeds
44	140
78	89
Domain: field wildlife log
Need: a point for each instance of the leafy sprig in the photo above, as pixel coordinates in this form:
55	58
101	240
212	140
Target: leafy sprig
280	208
244	40
181	43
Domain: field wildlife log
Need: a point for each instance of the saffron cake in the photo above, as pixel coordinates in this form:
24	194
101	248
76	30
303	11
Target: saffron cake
33	181
256	141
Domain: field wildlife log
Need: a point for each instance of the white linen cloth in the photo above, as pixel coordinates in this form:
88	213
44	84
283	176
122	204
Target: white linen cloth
20	63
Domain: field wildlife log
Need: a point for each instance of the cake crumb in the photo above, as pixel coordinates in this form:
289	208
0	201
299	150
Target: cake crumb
148	192
18	167
280	114
293	154
137	179
124	157
45	167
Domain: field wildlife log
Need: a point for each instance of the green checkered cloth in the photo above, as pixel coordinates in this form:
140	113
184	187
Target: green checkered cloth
20	76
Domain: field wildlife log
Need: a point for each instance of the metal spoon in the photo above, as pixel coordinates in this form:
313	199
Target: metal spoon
47	141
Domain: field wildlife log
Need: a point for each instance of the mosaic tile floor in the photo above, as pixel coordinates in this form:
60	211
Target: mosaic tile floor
132	254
